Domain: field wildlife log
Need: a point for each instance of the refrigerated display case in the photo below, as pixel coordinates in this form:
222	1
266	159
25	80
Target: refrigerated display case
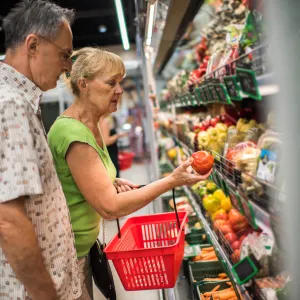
220	101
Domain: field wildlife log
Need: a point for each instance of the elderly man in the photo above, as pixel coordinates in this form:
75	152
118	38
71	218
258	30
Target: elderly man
37	256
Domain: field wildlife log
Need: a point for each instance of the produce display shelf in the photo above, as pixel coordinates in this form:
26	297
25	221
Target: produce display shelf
263	219
214	240
266	87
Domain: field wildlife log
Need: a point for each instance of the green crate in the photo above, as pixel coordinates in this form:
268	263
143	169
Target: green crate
196	238
200	270
208	286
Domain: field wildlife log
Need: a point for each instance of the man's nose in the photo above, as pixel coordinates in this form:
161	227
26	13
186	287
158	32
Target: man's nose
68	66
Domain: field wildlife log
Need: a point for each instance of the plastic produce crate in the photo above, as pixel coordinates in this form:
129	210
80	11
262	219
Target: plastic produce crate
202	269
208	286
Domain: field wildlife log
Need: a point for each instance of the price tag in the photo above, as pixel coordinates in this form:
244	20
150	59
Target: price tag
262	218
222	93
248	212
207	93
198	95
248	83
236	200
203	94
194	100
188	99
232	87
213	92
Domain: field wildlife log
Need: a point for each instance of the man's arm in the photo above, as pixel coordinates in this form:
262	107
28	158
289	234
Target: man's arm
19	244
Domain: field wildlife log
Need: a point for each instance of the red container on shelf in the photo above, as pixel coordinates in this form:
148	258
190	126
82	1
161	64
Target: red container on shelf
125	160
149	252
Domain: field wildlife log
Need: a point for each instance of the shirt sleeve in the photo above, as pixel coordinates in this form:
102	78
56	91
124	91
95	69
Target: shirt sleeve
64	132
19	168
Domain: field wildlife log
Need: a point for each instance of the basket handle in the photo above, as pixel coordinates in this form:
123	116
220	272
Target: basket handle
175	208
118	223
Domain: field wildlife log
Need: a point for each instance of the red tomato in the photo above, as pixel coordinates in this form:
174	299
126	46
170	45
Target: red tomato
226	229
241	225
203	162
236	245
236	256
235	217
219	223
242	238
221	216
245	231
231	237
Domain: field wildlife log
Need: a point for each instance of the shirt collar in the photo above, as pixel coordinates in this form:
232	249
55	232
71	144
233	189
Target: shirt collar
28	89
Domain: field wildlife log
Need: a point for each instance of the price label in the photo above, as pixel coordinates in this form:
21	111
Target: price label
248	83
198	95
194	100
235	200
248	212
203	94
213	92
232	87
222	93
207	93
188	100
262	218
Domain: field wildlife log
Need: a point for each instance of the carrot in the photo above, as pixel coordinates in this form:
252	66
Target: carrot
212	257
202	297
222	275
216	288
234	298
226	295
229	283
207	249
208	294
211	279
196	258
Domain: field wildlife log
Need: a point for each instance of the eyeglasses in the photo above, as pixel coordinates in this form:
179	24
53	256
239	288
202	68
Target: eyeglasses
66	54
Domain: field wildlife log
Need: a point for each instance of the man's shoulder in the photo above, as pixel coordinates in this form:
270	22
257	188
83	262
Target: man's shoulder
11	94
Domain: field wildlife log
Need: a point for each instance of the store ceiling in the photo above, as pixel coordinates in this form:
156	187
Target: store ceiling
92	16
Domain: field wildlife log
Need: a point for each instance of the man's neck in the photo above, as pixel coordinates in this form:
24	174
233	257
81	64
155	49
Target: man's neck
19	62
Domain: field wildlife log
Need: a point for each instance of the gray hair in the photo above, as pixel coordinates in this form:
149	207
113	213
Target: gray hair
39	17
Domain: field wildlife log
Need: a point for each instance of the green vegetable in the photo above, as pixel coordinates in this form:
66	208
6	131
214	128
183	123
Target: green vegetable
211	187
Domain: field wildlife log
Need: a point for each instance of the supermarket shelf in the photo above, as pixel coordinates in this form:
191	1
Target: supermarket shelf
263	219
215	242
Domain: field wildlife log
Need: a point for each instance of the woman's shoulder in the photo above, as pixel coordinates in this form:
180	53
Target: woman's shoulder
66	127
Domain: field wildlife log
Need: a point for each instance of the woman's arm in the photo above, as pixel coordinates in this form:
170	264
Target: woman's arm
95	184
105	130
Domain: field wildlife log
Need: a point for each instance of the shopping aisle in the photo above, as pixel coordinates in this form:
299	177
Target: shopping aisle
137	174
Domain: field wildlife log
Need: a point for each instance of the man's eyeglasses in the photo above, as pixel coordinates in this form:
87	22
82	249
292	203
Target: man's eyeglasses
66	54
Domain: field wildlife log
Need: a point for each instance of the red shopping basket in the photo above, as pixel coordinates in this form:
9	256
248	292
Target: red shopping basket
149	252
125	160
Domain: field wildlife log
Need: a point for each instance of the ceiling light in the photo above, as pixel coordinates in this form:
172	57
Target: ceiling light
102	28
150	24
122	24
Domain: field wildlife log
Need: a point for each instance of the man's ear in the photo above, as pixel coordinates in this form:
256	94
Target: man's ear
32	44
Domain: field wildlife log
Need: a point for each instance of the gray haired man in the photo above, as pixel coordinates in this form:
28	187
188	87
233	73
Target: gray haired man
37	256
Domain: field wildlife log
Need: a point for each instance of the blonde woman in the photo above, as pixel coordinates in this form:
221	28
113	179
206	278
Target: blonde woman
84	167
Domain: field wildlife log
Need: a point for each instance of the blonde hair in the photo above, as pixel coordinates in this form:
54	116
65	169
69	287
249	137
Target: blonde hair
90	62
